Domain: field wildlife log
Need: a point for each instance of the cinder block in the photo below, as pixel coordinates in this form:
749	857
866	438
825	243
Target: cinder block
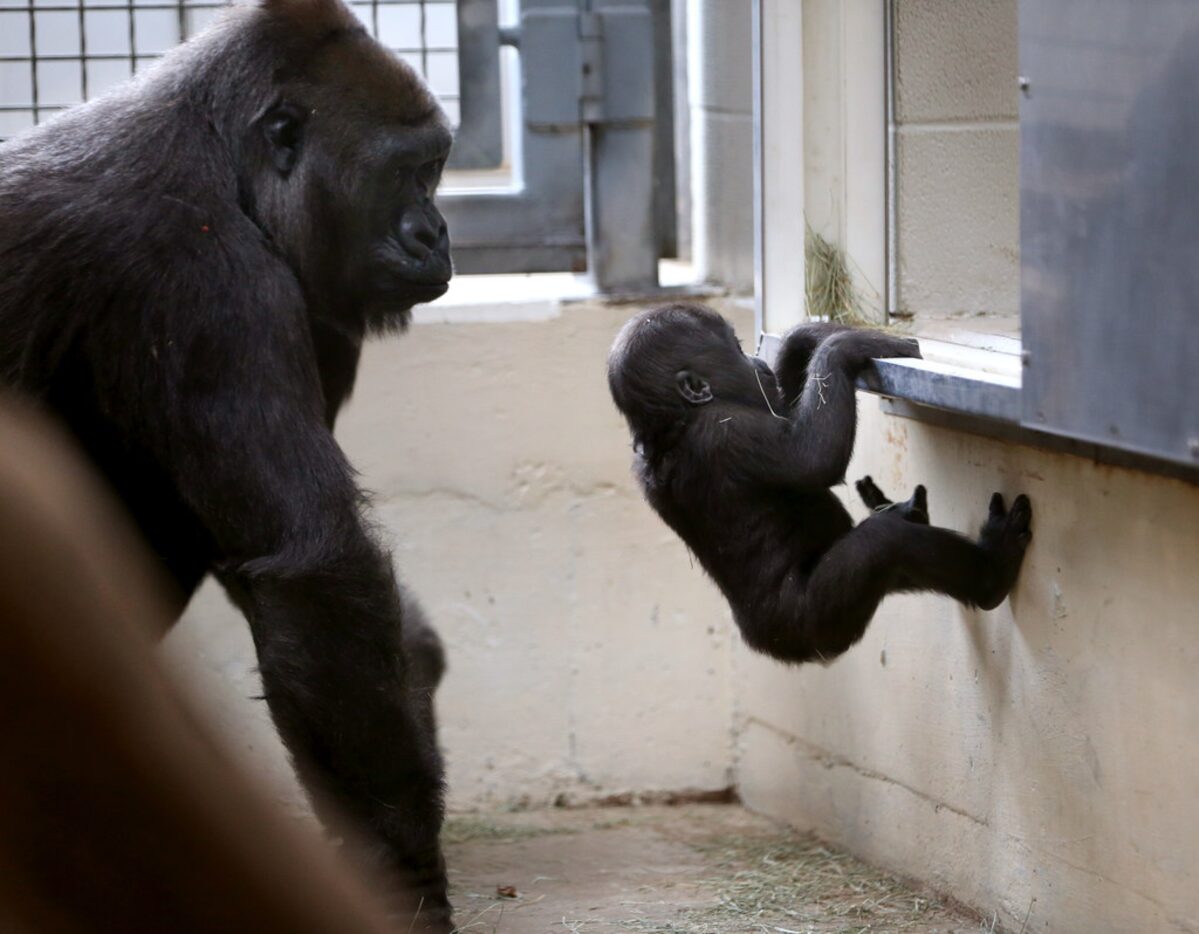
959	214
956	60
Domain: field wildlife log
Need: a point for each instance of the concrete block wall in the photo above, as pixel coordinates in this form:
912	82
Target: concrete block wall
958	149
720	63
587	655
1038	761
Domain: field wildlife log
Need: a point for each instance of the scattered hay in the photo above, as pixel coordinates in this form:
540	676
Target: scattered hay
798	885
829	289
747	877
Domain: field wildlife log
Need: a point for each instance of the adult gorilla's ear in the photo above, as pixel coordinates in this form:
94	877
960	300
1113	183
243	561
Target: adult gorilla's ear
283	128
692	388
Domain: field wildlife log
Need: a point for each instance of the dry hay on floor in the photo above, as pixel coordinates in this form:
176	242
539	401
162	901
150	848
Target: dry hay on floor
790	883
694	869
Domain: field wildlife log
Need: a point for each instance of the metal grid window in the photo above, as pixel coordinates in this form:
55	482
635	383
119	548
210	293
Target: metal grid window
54	53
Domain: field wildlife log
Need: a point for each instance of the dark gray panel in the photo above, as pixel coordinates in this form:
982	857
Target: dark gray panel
1110	222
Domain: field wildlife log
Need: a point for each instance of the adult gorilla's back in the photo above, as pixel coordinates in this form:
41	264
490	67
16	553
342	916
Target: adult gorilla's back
187	270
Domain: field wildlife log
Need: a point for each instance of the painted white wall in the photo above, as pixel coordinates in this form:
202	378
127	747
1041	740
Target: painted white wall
587	656
1038	760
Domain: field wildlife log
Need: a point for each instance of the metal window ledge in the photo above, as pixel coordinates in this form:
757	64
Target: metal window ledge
976	378
972	383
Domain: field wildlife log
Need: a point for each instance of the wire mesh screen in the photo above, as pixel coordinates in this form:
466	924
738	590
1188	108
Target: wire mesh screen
54	53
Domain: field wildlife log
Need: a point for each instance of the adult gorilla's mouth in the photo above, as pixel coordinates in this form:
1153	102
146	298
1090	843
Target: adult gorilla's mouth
427	291
400	274
424	245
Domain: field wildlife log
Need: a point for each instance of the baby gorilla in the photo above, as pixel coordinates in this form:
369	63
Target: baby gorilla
738	459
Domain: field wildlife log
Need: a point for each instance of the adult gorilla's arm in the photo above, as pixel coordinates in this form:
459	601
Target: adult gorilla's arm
238	418
326	617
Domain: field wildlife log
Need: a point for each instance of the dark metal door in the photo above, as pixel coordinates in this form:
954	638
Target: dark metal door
1109	226
580	188
532	218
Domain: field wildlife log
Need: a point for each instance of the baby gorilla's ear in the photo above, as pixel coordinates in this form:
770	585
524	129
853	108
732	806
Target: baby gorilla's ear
694	389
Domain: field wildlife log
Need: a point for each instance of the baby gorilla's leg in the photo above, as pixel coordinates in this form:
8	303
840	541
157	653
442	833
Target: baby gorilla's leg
886	554
915	509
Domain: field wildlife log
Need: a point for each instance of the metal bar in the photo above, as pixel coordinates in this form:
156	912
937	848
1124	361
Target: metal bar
72	8
424	38
891	247
132	38
33	87
123	56
666	219
758	170
82	53
622	252
927	382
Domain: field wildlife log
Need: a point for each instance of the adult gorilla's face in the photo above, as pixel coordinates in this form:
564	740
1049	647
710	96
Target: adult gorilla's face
354	152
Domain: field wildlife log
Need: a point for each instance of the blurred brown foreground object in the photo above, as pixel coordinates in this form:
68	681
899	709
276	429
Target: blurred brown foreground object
117	812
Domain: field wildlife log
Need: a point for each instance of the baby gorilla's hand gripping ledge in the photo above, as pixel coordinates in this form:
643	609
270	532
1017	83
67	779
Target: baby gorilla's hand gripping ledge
738	460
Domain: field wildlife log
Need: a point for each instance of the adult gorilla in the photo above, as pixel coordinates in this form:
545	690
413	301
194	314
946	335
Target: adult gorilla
187	270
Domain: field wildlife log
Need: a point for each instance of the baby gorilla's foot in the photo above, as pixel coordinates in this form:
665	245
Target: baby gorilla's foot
914	509
872	496
1005	534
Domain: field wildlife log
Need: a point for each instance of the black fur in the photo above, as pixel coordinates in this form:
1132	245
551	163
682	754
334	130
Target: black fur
738	460
188	268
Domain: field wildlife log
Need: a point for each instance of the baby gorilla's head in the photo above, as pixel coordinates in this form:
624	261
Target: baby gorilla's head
667	361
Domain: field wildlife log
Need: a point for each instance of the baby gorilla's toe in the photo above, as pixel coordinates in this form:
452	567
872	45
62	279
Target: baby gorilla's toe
1019	519
1008	529
871	495
916	508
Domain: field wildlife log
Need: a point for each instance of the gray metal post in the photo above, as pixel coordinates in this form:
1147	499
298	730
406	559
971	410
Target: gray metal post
618	111
479	143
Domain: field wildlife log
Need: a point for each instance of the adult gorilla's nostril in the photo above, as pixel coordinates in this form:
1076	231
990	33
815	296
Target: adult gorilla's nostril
418	236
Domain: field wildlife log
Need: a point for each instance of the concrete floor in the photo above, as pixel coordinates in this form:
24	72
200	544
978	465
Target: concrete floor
691	868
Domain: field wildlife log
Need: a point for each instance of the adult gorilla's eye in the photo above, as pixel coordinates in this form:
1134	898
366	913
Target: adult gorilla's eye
429	174
283	127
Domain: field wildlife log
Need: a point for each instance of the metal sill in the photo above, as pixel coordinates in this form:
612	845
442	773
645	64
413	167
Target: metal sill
979	381
973	386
